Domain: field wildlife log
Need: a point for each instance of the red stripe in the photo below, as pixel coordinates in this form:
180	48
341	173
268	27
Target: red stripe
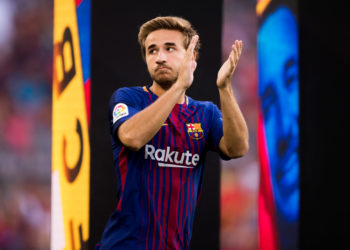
154	202
155	219
200	190
182	190
146	191
142	205
160	201
199	121
123	169
190	139
205	121
174	206
182	201
77	2
179	139
150	96
166	199
166	188
87	91
180	180
167	181
268	238
149	199
188	175
192	200
191	174
172	220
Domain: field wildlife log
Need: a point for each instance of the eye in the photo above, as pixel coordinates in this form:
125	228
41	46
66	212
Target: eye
152	51
290	73
170	49
269	99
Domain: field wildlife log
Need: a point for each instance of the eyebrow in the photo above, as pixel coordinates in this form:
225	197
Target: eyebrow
151	46
167	44
170	44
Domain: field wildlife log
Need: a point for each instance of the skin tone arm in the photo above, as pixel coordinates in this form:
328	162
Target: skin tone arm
234	142
135	132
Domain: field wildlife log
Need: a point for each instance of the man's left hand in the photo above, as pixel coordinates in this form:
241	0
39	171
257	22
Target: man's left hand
228	68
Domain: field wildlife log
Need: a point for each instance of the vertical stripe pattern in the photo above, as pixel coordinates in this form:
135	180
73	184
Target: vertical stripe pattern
160	184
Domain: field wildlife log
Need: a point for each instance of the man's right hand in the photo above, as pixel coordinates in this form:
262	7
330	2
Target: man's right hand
185	77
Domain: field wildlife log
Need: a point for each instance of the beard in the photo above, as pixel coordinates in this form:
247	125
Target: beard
165	80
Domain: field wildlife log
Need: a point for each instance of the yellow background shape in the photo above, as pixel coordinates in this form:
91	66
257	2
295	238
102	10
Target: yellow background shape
68	107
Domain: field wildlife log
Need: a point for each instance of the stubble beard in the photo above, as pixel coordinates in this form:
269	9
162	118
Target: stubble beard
164	81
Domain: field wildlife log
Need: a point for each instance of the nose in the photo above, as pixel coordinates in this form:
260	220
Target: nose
161	57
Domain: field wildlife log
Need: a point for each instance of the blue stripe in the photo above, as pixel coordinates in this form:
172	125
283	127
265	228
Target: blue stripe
118	175
84	23
172	138
186	204
179	237
149	212
167	215
162	208
156	201
163	136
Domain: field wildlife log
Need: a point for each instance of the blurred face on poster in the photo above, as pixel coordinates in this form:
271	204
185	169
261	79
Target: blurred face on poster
279	94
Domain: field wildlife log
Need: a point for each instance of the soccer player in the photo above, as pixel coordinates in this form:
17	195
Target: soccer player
160	137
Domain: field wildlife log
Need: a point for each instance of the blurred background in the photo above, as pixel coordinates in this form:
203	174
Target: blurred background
240	177
25	123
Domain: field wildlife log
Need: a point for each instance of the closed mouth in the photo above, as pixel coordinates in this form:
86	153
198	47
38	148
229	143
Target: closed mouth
162	68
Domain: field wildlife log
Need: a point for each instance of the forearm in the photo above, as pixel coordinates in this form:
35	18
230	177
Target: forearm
235	139
139	129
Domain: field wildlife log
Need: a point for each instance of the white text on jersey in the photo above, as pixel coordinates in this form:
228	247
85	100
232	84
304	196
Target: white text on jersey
168	158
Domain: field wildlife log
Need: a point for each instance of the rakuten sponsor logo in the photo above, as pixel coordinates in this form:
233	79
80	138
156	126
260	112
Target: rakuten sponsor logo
168	158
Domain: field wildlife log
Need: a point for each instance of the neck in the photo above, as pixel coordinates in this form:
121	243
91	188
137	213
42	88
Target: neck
159	91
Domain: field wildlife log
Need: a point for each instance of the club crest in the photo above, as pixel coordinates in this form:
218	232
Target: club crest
195	130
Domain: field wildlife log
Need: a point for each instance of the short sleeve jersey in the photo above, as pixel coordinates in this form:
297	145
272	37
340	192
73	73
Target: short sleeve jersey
159	185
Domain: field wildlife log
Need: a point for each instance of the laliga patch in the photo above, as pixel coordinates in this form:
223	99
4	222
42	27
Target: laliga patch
120	110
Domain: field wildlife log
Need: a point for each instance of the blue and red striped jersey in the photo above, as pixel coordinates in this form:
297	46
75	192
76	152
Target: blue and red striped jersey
159	185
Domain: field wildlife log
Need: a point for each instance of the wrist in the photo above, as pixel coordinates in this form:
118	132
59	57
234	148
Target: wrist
226	85
180	86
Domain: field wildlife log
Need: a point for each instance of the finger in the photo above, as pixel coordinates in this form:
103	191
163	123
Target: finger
240	48
238	44
231	57
235	53
192	45
194	41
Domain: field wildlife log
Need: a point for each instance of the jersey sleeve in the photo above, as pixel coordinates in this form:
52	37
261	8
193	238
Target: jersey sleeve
122	106
216	131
